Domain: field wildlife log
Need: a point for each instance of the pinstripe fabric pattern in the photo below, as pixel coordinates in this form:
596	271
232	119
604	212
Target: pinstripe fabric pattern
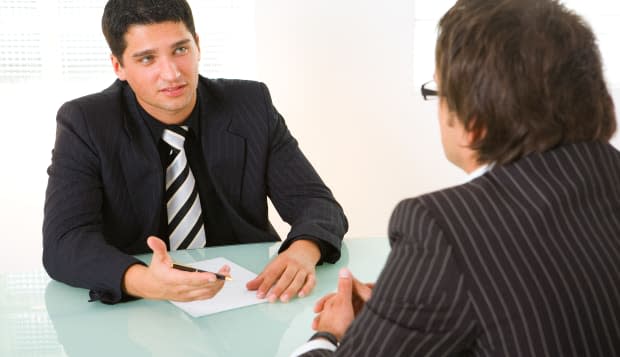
105	188
523	261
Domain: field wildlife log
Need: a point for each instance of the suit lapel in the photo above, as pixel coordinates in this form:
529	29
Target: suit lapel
224	147
142	169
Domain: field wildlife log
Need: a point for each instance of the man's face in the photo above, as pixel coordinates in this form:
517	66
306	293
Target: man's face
448	126
160	64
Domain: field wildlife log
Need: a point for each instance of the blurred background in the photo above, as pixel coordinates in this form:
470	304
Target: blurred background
344	74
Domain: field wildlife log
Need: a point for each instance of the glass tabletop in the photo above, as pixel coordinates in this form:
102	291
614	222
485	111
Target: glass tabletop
42	317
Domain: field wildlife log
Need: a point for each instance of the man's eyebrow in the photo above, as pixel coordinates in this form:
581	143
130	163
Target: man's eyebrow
151	51
143	53
181	42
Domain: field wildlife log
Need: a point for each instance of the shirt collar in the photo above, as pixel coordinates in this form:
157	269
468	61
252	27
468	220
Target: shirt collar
481	170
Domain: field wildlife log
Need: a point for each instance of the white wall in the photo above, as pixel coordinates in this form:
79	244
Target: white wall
341	73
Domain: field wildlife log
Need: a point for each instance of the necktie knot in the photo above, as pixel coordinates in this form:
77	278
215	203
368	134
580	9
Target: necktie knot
175	136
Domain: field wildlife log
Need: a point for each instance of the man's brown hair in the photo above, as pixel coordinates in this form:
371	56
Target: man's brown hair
120	15
523	76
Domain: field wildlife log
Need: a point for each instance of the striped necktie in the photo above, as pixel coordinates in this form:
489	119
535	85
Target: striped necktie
185	223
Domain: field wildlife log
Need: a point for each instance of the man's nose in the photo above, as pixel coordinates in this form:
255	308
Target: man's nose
169	70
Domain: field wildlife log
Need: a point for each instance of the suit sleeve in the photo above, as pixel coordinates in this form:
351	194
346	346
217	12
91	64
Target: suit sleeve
298	193
419	305
75	250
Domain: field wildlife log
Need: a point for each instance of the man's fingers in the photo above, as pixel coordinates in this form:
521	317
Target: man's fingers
307	288
335	311
320	304
224	270
265	280
191	293
315	322
283	282
194	280
254	283
363	291
298	282
209	292
265	286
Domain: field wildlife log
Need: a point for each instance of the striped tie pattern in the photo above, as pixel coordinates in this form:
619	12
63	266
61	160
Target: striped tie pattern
185	224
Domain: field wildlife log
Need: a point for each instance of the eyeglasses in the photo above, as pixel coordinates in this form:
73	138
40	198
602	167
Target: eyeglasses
429	90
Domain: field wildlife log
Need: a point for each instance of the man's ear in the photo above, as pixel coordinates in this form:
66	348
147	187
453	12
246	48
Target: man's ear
118	68
473	133
469	136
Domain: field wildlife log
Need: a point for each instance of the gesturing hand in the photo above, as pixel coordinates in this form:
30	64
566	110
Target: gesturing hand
290	273
160	281
336	310
361	294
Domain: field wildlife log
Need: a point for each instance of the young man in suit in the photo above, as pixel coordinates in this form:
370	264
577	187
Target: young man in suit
524	259
167	159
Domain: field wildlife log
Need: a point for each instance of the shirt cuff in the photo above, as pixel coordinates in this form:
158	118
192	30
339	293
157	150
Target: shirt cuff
318	344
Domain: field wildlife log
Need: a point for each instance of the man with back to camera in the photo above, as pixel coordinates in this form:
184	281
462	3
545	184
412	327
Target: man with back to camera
167	159
524	259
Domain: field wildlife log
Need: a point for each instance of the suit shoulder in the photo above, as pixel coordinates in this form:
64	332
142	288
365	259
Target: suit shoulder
429	201
248	103
409	215
233	89
434	208
408	206
416	208
96	104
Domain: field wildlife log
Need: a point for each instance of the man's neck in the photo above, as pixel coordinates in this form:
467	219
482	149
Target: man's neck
168	117
468	161
480	170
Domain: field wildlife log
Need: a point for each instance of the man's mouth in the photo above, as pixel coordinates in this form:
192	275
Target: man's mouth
173	91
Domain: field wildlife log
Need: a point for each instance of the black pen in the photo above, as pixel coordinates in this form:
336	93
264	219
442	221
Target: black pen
190	269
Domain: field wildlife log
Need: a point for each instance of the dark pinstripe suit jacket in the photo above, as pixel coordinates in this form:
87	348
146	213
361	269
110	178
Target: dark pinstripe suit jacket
105	181
522	261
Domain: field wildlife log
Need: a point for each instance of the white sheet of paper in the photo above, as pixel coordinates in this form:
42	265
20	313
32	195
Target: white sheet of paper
232	296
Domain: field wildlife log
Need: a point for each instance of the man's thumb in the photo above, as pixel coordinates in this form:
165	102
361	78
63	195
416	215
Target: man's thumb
158	247
345	282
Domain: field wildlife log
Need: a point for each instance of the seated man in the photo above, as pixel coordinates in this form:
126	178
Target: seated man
167	153
524	259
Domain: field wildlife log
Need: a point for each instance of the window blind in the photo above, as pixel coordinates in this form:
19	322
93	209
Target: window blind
62	39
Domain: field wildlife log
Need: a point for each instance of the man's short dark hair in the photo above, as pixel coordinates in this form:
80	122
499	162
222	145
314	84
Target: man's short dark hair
523	76
119	15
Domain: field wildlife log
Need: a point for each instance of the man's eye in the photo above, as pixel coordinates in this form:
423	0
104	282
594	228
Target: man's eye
146	59
181	50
